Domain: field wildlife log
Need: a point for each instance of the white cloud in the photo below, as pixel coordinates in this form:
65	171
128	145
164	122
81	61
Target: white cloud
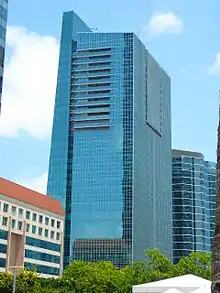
29	83
214	69
38	184
164	23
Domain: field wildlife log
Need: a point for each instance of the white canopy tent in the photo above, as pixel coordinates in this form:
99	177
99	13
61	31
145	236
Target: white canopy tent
184	284
203	290
172	291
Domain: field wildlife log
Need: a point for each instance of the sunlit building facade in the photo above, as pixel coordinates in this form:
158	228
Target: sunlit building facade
194	195
110	161
31	231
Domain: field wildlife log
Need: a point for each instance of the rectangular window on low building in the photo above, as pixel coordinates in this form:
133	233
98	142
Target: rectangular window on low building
4	221
5	208
33	229
34	217
39	231
19	225
46	233
40	219
52	234
13	210
13	222
27	227
46	221
20	212
28	214
52	222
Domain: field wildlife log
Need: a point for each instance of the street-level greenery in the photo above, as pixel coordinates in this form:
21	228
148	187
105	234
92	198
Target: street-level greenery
104	277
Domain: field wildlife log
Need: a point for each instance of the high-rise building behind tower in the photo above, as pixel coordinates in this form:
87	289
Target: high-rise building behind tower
194	195
3	25
211	169
110	161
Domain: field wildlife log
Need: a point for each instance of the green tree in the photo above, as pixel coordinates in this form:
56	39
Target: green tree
131	275
197	263
6	281
97	277
104	277
158	265
26	281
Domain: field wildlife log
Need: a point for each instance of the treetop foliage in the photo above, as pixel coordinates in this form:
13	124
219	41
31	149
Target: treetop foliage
104	277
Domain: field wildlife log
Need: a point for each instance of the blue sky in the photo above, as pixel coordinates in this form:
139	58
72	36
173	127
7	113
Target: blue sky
182	35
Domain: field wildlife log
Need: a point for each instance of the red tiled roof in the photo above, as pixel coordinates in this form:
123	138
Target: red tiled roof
21	193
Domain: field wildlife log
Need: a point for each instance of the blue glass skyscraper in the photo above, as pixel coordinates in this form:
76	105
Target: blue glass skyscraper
194	196
3	25
110	161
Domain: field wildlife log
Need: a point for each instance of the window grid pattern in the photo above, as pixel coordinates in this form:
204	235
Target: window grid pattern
41	269
98	206
211	166
59	177
20	215
90	99
193	204
94	171
152	199
127	184
42	256
43	247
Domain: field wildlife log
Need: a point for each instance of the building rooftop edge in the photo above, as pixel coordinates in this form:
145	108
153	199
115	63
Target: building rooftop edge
29	196
180	152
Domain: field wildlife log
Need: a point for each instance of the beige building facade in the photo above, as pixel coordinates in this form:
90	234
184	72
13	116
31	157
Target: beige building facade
31	231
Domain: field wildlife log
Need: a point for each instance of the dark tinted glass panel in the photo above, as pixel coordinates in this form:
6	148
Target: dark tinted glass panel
42	244
43	269
42	256
3	13
2	262
3	248
3	235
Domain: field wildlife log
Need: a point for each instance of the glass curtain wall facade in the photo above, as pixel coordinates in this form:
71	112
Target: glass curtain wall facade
110	161
3	25
193	203
211	167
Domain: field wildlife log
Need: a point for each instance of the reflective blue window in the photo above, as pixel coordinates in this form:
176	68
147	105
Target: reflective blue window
45	233
3	234
40	219
5	208
42	256
42	244
2	262
2	32
43	269
111	146
3	248
46	221
194	197
3	13
34	229
34	217
40	230
28	215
